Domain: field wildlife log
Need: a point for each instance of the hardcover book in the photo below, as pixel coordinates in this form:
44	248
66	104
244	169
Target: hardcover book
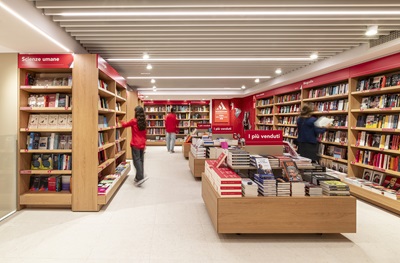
367	174
53	121
291	172
43	121
377	177
33	121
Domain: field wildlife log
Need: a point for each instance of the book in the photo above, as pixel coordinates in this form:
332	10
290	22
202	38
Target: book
36	162
391	182
47	161
52	121
62	121
367	174
323	121
377	177
33	121
43	143
292	173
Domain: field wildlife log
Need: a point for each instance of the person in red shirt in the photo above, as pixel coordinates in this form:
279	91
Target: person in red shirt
171	124
138	143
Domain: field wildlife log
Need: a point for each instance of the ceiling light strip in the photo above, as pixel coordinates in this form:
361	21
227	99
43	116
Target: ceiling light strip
12	12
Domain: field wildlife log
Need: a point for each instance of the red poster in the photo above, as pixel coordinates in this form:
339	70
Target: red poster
110	71
221	111
45	60
256	137
222	129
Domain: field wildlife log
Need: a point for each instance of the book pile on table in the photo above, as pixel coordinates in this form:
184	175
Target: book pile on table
322	177
282	188
198	150
273	161
225	181
266	184
303	163
335	188
249	188
298	189
313	190
356	181
238	158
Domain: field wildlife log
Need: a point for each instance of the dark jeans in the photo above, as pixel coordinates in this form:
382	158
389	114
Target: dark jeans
138	162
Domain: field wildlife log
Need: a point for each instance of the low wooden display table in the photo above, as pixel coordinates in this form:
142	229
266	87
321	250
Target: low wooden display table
197	165
325	214
186	149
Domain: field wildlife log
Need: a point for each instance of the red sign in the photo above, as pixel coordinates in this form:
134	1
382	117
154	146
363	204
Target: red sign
272	137
221	113
222	129
110	71
203	125
45	60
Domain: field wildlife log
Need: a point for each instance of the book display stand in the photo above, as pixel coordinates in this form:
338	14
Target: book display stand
306	214
85	145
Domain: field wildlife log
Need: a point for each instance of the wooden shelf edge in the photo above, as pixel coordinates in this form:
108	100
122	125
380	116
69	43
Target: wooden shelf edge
46	151
106	146
327	98
46	198
44	130
376	199
105	164
391	172
104	199
376	149
48	172
334	159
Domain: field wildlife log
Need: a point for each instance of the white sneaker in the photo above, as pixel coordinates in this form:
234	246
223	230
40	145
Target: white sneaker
139	183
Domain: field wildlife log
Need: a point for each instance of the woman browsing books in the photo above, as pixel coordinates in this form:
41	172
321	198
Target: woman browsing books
308	133
138	143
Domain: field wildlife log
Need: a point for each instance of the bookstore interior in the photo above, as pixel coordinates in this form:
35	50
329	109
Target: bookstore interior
67	148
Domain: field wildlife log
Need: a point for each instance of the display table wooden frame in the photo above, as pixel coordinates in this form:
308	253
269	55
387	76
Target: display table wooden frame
186	149
197	165
279	214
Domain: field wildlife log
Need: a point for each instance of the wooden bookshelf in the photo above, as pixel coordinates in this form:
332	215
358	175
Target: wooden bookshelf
86	75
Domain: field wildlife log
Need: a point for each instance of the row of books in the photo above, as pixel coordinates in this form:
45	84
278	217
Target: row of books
204	108
266	120
103	103
102	84
48	141
381	141
389	121
263	102
153	123
288	131
333	151
377	82
288	108
378	159
102	156
183	116
53	183
333	136
339	120
154	108
333	105
155	131
329	91
336	166
288	97
53	100
266	110
48	79
265	128
102	121
155	117
380	101
50	121
287	120
118	106
45	161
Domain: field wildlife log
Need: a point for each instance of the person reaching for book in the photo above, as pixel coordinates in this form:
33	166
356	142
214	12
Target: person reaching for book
138	143
308	134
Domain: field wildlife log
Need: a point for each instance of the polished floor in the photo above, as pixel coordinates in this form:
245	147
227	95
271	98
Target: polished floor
165	220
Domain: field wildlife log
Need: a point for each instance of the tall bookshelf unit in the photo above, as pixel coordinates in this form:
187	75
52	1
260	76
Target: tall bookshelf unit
331	101
96	90
189	114
265	114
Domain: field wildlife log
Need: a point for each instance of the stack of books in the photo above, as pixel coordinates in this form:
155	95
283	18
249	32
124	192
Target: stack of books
249	188
226	182
198	151
283	188
266	184
238	158
335	188
313	190
106	184
273	161
298	189
322	177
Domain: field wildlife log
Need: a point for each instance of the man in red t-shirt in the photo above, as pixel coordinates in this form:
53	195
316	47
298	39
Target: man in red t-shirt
171	124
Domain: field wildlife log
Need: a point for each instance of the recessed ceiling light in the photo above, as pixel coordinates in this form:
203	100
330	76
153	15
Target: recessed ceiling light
314	55
149	66
243	87
211	59
145	55
278	71
146	97
202	77
154	87
153	81
154	90
257	80
372	30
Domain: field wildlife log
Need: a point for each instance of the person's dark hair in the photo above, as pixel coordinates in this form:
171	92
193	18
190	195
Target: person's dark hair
141	118
306	111
172	109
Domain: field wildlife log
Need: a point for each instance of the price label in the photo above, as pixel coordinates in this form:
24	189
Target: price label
49	171
26	171
379	169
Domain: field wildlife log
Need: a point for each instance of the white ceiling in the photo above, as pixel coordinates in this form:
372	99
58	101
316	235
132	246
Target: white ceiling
135	28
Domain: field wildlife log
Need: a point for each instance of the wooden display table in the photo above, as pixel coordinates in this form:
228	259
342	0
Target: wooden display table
186	149
197	165
279	214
